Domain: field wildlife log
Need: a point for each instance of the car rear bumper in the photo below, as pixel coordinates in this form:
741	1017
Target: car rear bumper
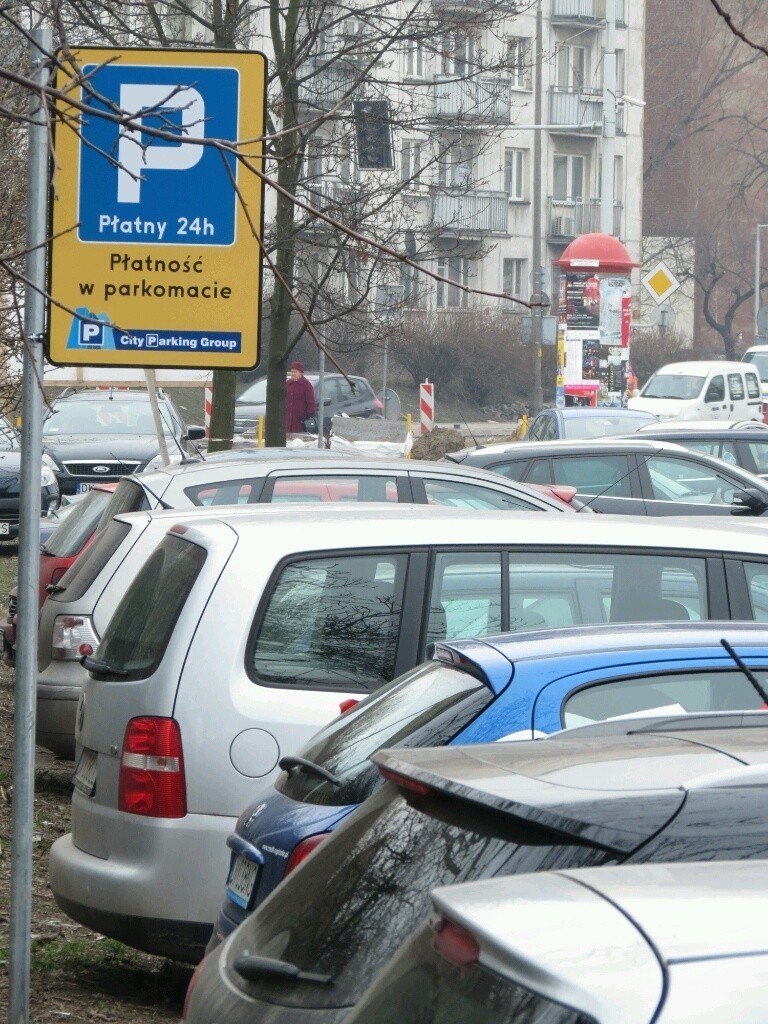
174	868
58	692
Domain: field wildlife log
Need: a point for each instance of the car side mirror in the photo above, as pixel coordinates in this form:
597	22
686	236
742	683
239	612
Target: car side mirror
195	433
748	501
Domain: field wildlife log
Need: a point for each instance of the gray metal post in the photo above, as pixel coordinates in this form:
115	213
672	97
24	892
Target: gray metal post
384	373
609	121
757	277
29	547
536	339
321	397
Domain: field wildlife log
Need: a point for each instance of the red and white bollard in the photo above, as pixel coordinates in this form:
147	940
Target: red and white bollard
208	401
427	406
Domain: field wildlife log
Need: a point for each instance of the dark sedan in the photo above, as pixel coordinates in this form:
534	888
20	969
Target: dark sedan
637	477
353	397
742	443
10	482
103	435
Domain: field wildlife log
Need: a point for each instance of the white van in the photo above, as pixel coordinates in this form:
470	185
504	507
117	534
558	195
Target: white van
702	390
238	639
757	356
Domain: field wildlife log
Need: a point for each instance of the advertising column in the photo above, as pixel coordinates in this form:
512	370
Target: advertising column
594	319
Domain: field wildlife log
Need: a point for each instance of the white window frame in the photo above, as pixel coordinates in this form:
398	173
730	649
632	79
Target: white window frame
456	268
571	159
572	67
410	163
458	54
513	276
456	166
515	163
414	58
518	59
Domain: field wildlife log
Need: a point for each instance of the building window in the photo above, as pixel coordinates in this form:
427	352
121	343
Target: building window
411	283
568	178
572	72
513	282
315	163
455	268
414	58
514	173
456	164
410	163
518	62
458	54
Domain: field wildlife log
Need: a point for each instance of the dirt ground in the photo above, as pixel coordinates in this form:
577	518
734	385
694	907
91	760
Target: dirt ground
76	975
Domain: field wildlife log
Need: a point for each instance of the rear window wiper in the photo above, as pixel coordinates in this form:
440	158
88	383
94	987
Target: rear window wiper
290	761
264	968
101	667
54	588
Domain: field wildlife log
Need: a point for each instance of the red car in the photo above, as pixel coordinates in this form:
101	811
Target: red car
77	530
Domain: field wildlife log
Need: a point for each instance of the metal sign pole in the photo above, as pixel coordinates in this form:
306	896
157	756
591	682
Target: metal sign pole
29	546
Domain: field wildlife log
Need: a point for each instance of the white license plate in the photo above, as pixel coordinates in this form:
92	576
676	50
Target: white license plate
242	881
84	488
5	529
85	773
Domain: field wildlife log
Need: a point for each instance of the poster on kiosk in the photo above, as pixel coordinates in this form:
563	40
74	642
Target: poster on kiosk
594	319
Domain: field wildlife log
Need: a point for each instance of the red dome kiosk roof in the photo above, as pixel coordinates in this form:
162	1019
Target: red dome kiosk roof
597	252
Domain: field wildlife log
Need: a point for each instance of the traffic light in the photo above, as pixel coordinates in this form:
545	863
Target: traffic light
373	132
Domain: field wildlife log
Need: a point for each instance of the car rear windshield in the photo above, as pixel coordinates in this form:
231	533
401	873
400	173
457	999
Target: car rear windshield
138	633
128	497
79	525
365	889
427	707
421	985
84	570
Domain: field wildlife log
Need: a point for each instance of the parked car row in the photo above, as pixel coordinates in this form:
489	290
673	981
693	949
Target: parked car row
348	723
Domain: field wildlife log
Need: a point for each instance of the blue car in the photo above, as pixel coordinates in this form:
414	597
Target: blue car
585	424
512	686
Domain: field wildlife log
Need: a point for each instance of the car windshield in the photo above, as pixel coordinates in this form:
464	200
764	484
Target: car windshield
110	416
427	706
760	361
256	394
673	385
583	427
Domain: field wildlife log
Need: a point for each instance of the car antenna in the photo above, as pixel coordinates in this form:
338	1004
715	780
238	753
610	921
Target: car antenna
747	671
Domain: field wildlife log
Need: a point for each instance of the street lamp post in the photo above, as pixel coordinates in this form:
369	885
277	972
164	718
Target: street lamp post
757	276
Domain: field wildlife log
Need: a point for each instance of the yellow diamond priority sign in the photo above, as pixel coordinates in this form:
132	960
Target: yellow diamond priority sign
660	282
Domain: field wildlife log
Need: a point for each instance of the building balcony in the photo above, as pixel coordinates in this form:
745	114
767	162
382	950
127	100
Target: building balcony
478	212
486	98
569	218
326	87
586	12
576	111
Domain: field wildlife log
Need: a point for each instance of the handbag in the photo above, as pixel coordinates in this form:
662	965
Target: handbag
310	425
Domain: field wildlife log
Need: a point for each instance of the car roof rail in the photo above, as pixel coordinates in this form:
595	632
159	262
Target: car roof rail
632	725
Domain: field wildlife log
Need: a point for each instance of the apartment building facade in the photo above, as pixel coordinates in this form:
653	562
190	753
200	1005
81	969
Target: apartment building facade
454	189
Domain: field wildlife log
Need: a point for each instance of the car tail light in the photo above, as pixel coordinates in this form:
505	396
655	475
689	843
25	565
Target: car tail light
73	637
347	705
303	850
404	782
152	781
455	943
379	404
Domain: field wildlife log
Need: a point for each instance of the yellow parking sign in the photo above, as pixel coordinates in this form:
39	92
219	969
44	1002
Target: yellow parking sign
157	211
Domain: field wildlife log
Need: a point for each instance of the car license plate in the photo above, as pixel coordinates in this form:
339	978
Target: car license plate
5	529
242	881
85	773
83	488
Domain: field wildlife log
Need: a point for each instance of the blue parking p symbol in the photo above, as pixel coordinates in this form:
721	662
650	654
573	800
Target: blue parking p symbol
91	335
